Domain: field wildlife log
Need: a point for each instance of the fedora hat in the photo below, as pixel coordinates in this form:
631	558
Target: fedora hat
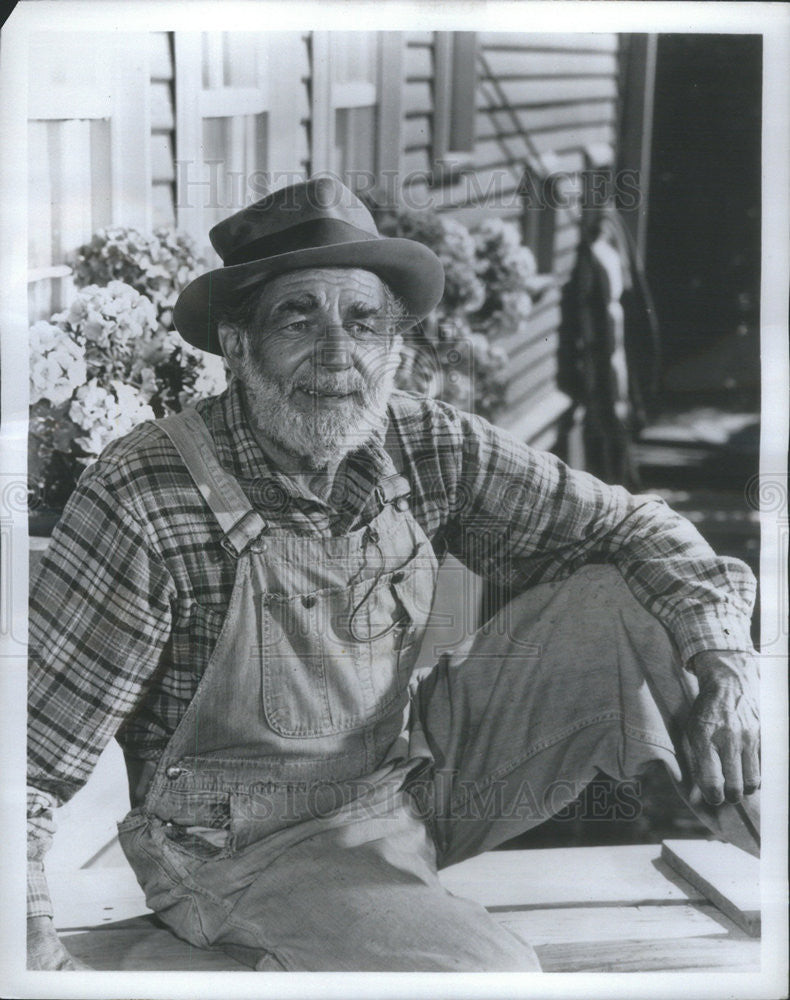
319	223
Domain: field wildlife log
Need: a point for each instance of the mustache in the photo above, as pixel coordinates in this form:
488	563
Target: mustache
338	384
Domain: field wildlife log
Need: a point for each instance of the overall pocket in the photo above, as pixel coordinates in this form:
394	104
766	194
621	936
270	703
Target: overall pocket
331	660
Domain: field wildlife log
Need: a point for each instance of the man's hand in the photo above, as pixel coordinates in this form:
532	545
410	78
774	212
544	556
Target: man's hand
45	950
724	729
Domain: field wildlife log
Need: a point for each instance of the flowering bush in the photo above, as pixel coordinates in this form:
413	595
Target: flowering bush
505	267
453	244
109	361
486	297
157	266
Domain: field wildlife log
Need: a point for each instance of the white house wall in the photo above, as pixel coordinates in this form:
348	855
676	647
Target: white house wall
273	107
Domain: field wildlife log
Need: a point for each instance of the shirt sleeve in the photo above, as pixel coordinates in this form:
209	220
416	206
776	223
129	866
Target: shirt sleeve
100	616
524	517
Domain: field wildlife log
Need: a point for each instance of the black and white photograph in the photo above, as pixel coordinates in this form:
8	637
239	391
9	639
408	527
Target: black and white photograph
393	499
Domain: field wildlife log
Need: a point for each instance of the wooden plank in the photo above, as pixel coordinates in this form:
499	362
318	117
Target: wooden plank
321	115
546	91
415	161
534	422
418	62
596	112
131	134
726	875
389	131
160	55
526	384
417	38
618	923
574	876
90	897
140	945
101	182
530	352
684	955
504	63
542	41
417	98
41	177
72	183
162	168
417	133
286	134
571	140
162	118
163	209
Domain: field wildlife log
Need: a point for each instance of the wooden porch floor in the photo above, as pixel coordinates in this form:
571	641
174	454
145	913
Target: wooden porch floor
584	909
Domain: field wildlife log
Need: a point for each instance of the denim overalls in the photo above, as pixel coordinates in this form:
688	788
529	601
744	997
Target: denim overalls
308	685
299	814
298	734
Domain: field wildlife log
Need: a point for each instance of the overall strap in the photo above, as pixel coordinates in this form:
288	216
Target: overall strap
394	489
239	522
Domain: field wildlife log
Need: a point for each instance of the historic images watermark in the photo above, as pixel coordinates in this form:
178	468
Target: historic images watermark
210	184
438	794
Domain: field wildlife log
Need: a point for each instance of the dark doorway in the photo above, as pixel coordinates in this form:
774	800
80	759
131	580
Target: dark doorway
703	235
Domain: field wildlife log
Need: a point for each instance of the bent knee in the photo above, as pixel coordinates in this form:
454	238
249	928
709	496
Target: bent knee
604	586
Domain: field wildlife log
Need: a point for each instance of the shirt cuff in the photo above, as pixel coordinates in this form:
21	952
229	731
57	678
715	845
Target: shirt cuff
711	629
38	902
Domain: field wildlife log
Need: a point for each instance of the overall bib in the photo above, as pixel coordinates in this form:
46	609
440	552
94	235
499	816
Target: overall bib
316	783
296	741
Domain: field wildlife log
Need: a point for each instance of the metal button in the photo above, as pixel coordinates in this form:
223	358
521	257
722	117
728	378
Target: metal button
402	504
308	600
174	771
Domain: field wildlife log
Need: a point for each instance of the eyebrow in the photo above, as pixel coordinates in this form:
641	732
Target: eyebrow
364	310
306	302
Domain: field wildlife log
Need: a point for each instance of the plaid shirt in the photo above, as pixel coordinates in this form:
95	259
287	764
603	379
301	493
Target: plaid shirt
133	589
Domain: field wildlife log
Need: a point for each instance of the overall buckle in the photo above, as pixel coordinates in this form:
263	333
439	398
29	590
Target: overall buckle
243	533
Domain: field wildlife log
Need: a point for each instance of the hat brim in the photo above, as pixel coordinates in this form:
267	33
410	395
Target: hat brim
413	272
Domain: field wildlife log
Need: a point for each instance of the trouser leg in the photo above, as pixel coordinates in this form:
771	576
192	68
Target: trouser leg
568	679
353	891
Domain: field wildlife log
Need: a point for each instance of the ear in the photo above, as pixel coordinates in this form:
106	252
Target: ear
231	337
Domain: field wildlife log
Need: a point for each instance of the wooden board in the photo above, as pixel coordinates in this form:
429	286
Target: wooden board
92	897
577	876
726	875
139	944
594	909
618	923
689	955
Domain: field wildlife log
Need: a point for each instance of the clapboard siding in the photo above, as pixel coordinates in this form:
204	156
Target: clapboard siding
540	120
417	124
507	63
302	107
545	42
418	61
418	98
521	93
543	95
163	210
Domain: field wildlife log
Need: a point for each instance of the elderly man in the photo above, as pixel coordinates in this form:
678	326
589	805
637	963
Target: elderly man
238	594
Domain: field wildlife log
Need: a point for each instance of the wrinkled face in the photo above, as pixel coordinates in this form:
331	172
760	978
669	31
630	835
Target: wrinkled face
319	362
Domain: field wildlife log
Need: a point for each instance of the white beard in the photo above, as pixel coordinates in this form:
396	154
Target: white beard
320	436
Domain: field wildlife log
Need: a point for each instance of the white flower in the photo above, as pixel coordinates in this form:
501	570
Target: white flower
106	415
57	363
211	378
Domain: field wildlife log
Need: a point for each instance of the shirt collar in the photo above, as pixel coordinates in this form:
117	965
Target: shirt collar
241	455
